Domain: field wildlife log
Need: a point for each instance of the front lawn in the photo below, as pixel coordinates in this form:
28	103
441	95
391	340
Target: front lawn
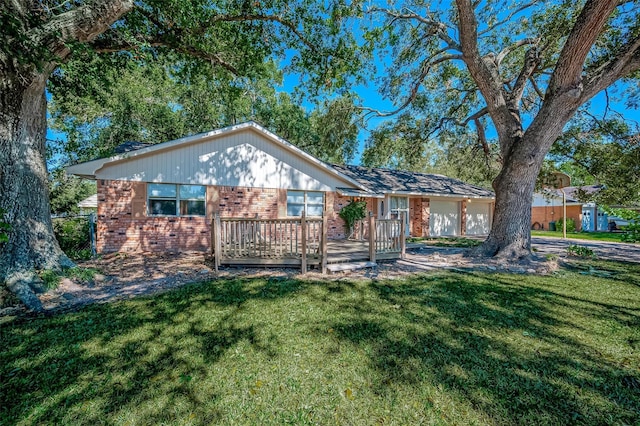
593	236
463	242
446	348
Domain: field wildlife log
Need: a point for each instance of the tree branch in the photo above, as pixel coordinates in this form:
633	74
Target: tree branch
623	64
531	62
534	84
105	47
567	77
201	29
426	68
482	137
269	18
505	52
437	28
485	73
81	24
508	18
18	7
476	116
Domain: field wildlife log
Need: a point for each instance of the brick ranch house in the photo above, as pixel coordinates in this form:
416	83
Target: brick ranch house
547	206
162	197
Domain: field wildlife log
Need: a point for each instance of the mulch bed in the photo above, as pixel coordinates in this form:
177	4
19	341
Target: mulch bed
127	275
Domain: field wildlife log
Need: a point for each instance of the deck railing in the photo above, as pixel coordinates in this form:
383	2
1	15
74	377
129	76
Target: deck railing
360	231
296	242
388	240
299	241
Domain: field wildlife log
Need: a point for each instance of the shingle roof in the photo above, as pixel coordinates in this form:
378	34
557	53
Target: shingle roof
130	146
381	181
574	194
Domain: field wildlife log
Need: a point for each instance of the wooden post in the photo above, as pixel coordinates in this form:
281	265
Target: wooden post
564	213
323	243
303	260
372	237
218	241
214	242
403	237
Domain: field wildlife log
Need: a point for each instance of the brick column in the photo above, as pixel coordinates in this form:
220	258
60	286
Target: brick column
415	215
426	213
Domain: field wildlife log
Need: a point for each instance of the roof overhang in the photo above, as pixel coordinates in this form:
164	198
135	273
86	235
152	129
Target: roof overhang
354	192
90	168
349	192
440	195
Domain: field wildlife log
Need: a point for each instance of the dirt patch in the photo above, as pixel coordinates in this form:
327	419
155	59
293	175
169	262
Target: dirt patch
124	276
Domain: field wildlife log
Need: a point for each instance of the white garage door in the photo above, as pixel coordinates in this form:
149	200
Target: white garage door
444	219
478	218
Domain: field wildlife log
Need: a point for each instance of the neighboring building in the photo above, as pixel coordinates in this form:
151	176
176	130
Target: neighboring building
547	207
89	204
162	197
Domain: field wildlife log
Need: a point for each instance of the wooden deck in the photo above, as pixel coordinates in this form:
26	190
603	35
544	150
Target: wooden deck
341	251
301	242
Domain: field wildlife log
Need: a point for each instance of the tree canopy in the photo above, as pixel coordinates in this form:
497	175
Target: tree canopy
236	39
99	106
514	73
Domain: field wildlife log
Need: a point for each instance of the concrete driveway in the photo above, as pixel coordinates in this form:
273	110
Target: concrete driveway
604	250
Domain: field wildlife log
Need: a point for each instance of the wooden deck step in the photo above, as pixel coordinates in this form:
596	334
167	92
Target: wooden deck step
339	267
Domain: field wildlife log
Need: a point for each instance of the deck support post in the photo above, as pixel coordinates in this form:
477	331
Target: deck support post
323	243
303	259
403	237
372	237
215	241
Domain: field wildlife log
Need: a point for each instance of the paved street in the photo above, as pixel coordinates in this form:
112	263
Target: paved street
604	250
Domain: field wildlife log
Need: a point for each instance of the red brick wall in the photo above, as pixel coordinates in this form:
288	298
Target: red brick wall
249	202
123	224
419	216
334	203
544	215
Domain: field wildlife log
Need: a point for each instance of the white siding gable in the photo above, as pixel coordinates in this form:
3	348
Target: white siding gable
540	200
244	158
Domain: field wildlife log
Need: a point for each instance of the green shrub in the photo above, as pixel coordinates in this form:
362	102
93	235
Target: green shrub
4	227
632	229
580	251
73	236
352	212
571	224
52	278
631	233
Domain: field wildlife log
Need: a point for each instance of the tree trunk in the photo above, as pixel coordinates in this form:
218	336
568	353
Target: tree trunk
510	235
24	182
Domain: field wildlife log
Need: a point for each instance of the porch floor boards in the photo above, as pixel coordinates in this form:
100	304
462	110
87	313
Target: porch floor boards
344	251
338	252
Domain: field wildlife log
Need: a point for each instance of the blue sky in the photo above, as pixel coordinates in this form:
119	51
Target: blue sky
371	98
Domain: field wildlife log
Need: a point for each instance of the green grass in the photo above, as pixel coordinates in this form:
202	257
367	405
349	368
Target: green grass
447	348
593	236
446	241
52	279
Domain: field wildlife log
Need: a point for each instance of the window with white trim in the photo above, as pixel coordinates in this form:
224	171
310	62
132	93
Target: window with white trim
310	202
166	199
398	203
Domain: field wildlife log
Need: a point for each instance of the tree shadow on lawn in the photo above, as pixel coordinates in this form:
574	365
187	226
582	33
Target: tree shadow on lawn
625	272
105	361
502	347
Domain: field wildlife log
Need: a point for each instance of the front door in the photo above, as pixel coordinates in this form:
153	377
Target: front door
397	206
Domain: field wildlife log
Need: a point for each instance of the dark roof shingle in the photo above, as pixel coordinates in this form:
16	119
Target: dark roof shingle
380	181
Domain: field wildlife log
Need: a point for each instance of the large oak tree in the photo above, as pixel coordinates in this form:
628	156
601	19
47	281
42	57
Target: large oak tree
519	71
37	36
